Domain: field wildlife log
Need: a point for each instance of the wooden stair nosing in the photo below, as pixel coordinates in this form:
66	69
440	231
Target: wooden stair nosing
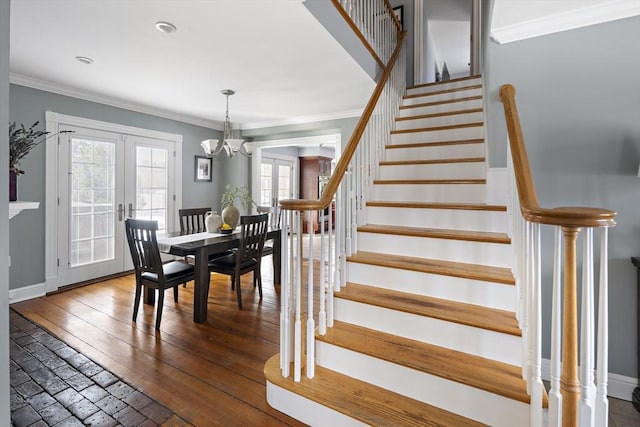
477	316
443	114
365	402
438	128
434	144
444	82
443	205
433	161
428	181
446	101
462	270
440	92
475	371
437	233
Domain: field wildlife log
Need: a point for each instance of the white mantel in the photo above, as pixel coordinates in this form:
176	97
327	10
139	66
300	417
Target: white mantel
16	207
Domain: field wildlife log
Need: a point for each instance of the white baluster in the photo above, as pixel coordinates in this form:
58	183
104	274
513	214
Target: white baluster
526	280
285	331
330	272
350	209
535	324
555	397
322	314
587	388
311	327
297	358
602	403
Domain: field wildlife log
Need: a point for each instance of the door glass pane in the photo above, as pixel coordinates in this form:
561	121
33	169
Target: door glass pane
152	191
93	210
266	181
284	182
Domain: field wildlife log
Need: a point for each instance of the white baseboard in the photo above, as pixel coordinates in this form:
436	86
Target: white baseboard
497	186
619	386
27	292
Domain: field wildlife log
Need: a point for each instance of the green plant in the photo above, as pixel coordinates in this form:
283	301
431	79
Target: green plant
242	193
23	140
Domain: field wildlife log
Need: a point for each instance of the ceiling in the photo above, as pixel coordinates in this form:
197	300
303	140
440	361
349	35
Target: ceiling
282	63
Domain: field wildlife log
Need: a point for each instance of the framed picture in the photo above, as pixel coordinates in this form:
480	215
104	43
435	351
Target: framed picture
398	11
203	169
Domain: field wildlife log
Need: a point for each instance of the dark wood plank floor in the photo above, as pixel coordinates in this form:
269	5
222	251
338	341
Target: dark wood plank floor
209	374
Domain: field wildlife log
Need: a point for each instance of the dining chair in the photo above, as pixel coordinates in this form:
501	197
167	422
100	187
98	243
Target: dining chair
149	269
274	221
253	232
193	220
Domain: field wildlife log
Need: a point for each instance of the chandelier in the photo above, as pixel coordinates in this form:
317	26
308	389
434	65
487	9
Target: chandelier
231	145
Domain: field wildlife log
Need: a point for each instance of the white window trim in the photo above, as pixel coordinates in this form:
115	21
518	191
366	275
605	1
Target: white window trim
53	122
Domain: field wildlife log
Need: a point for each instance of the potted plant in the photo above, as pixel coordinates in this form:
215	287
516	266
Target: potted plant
230	213
21	141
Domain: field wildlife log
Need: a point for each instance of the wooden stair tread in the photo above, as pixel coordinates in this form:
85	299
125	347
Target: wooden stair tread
363	401
478	316
433	161
440	92
438	233
438	128
434	144
429	181
444	82
495	377
446	101
431	205
434	266
444	113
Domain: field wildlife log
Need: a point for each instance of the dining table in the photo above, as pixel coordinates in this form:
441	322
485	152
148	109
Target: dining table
201	246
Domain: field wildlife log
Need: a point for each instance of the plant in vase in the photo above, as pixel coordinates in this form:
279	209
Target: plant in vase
21	141
230	213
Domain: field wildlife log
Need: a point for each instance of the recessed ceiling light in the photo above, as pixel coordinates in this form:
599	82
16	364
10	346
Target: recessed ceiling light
165	27
84	59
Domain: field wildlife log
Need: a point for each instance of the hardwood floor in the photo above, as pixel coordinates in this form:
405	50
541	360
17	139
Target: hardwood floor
209	374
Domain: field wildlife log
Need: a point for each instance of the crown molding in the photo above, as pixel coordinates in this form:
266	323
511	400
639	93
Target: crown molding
302	119
60	89
568	20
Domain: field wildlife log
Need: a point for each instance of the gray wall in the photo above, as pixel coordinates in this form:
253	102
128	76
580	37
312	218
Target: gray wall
28	105
407	18
4	221
578	95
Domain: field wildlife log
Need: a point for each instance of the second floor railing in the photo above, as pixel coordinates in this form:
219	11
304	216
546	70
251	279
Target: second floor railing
308	285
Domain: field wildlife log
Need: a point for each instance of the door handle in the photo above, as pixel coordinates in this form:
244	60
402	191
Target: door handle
120	211
130	210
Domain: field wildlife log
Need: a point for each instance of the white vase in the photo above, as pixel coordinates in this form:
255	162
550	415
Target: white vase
212	221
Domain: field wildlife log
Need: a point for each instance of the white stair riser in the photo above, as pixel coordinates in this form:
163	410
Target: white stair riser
488	294
306	410
441	108
449	395
455	134
455	219
494	254
468	170
444	86
457	151
471	193
448	120
468	339
443	96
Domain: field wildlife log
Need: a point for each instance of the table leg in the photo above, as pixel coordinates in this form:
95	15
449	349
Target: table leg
201	290
277	259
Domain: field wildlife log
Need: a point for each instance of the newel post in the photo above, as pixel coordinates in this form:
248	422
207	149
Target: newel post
569	382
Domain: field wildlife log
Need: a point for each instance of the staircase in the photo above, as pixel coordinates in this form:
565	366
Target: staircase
425	330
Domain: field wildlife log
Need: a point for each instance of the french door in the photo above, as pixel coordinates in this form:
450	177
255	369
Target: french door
103	178
276	180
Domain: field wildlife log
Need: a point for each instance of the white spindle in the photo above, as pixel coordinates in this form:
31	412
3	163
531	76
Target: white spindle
586	332
330	272
555	397
601	403
297	358
526	337
311	327
536	332
322	314
285	331
351	209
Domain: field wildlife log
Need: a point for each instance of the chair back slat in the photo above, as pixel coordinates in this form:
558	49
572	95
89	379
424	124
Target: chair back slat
253	236
145	254
193	220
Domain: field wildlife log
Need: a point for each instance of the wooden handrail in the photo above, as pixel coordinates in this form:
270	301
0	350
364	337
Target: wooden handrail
342	165
393	16
531	210
357	32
